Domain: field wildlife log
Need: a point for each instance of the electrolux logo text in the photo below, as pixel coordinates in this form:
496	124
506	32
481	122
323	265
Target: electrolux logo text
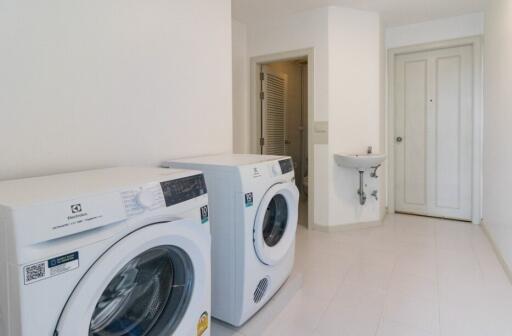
76	208
256	172
77	211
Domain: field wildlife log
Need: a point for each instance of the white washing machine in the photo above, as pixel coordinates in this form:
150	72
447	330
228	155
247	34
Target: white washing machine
254	212
121	251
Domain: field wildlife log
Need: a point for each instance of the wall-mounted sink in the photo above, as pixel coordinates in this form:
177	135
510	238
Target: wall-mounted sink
360	162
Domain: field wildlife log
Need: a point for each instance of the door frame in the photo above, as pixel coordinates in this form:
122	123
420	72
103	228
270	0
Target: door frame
476	43
255	117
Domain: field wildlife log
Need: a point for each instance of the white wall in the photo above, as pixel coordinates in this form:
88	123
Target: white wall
300	31
384	172
497	180
347	94
354	109
99	83
437	30
241	123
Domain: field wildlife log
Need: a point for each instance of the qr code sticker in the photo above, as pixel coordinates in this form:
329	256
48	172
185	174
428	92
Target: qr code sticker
35	272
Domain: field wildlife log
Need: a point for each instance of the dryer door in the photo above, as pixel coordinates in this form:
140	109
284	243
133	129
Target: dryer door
276	223
143	285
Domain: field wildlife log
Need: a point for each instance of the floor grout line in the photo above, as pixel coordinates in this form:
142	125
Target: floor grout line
438	271
393	269
342	283
383	274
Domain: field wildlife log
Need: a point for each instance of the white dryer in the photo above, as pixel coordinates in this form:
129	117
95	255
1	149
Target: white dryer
254	212
121	251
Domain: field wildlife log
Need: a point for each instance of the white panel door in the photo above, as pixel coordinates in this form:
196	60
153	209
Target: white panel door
433	129
274	106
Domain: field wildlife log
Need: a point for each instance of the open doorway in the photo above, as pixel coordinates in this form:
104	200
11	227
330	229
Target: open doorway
282	115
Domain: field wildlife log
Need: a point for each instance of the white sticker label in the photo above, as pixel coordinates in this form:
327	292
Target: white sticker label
69	217
49	268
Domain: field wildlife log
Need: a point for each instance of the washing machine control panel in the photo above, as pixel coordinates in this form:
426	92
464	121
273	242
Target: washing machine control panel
164	194
146	199
138	200
183	189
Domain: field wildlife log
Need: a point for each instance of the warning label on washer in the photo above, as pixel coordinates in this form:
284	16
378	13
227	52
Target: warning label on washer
50	268
249	200
202	324
204	214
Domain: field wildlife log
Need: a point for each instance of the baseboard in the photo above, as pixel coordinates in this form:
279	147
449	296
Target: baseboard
497	251
345	227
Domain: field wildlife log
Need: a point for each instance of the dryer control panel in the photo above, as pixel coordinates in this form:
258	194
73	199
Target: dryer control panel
286	165
282	167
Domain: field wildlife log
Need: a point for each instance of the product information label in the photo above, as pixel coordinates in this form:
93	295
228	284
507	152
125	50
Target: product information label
50	268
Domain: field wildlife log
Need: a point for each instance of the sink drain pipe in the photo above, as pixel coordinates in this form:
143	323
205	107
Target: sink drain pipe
360	192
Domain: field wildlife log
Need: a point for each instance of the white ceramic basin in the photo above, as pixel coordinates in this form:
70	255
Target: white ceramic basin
359	161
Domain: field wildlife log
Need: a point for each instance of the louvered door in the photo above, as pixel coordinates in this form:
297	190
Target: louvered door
274	93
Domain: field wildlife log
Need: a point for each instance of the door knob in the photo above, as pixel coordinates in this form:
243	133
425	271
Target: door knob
399	139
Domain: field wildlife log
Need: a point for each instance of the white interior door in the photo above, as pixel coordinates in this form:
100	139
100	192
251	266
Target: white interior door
434	135
274	105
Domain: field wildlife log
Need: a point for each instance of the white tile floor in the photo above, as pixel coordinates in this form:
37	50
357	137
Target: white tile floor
412	276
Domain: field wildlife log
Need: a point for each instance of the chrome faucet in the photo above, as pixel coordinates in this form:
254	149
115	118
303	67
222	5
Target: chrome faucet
374	171
374	194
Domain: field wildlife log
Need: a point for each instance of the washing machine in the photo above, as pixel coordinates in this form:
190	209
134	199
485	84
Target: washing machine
120	251
254	213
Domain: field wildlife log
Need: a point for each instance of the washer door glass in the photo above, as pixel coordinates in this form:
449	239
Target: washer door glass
275	220
148	296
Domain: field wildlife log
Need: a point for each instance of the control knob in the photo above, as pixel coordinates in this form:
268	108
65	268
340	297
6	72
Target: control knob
145	199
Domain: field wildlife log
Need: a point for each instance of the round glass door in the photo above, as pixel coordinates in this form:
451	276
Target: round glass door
276	223
148	296
275	220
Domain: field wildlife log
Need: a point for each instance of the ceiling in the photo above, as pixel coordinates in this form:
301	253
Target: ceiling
393	12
